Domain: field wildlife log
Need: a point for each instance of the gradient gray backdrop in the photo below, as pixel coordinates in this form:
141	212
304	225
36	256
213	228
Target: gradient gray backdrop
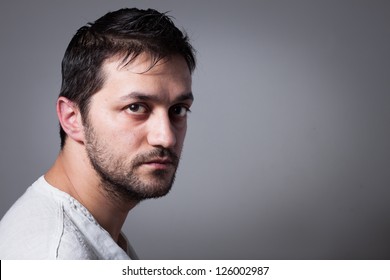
287	154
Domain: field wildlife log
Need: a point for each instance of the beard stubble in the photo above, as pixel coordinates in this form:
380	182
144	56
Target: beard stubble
121	179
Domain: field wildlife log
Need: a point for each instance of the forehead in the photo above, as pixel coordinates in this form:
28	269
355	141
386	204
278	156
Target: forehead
169	74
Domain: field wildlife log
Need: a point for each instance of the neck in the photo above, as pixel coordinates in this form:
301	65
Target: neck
73	174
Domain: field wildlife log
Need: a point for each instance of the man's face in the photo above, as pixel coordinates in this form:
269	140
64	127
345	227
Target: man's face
136	125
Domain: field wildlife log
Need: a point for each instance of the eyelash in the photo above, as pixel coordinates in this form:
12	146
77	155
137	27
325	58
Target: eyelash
147	109
183	107
139	105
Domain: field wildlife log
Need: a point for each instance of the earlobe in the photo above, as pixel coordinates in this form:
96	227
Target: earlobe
70	119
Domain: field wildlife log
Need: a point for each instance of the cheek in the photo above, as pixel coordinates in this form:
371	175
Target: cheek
180	136
130	139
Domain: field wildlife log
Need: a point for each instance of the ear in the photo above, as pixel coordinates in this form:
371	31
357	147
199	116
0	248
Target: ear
70	119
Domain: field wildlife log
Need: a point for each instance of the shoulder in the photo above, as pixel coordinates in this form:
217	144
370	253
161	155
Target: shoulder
32	227
46	223
73	245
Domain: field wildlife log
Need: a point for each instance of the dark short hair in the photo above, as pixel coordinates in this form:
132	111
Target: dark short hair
126	32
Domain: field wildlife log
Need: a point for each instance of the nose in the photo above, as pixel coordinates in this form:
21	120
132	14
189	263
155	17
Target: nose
161	132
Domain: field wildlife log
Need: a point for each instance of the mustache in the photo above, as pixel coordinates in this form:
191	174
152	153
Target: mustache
156	153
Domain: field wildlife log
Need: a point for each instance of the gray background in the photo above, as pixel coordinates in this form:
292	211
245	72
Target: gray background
287	154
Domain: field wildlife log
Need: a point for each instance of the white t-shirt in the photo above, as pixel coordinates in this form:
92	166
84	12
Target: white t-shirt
46	223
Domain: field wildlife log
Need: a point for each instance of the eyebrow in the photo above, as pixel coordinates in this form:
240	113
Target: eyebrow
148	97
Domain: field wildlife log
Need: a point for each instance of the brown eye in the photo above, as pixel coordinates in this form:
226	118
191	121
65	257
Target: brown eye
179	111
137	108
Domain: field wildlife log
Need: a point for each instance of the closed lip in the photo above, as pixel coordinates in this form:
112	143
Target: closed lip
159	161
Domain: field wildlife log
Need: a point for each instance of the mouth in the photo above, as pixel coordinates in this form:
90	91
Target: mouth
159	163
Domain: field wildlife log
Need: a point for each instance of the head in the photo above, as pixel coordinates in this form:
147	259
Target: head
128	76
126	33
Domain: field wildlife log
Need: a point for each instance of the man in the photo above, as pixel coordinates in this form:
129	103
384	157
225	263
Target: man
125	95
